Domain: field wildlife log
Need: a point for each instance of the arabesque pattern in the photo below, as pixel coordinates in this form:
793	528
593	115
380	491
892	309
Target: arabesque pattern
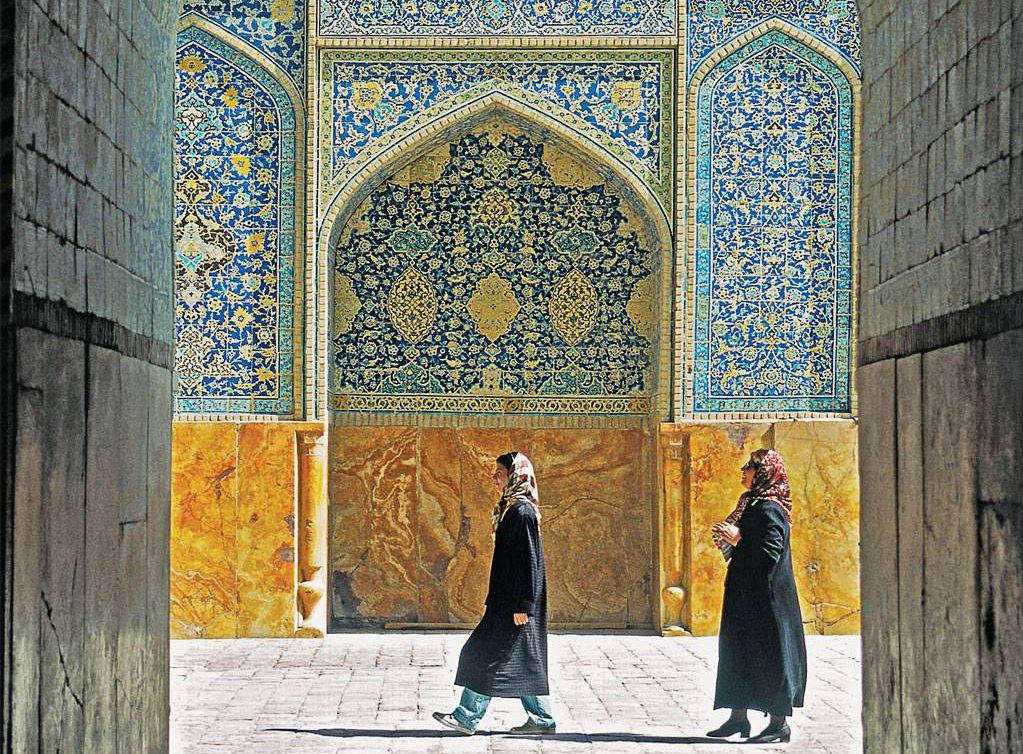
459	298
234	169
773	272
424	18
714	23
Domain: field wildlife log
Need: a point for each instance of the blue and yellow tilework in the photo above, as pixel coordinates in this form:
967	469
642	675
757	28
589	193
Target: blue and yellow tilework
235	214
492	289
564	18
712	24
622	98
773	283
275	28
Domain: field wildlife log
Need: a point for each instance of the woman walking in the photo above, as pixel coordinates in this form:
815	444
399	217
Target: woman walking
506	654
762	652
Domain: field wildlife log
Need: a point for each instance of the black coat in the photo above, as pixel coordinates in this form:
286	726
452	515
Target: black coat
500	658
762	652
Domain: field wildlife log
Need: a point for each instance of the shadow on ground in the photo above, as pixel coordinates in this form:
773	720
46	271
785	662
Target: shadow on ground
583	738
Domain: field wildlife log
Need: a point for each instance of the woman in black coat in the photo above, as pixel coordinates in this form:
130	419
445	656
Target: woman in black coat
762	652
506	654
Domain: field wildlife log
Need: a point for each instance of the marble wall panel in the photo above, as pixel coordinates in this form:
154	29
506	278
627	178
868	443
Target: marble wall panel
204	523
596	494
233	514
266	530
822	460
374	500
410	523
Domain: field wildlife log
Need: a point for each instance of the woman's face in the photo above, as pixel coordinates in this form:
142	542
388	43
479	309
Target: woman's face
747	477
500	477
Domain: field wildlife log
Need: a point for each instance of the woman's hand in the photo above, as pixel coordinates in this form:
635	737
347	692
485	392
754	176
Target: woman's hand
520	619
729	532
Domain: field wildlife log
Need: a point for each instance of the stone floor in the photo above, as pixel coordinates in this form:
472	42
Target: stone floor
373	693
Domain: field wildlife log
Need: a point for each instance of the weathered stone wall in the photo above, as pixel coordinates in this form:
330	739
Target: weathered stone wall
941	295
86	245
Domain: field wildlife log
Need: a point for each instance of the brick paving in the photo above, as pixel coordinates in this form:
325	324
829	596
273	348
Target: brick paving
373	693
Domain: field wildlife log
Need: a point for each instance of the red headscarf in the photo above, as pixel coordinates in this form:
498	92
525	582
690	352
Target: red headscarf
770	482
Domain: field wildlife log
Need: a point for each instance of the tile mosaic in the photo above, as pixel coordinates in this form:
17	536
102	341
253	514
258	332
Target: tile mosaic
275	28
500	292
712	24
773	232
235	214
563	18
622	99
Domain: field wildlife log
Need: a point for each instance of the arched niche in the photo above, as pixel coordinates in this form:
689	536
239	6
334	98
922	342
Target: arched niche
771	233
500	108
238	230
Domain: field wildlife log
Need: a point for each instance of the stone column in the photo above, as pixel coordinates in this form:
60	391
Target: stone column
311	534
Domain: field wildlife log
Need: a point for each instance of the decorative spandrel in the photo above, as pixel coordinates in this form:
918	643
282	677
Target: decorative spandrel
714	23
484	306
773	270
234	233
276	28
620	100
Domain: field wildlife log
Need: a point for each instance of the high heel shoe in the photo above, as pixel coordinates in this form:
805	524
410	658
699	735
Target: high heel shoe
731	727
768	736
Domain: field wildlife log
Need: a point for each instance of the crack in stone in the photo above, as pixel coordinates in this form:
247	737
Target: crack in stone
60	652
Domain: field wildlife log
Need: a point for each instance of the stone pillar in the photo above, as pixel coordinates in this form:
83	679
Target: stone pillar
311	534
674	533
86	204
940	348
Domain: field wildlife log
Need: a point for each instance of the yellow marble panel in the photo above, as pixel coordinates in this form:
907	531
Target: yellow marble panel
266	530
715	454
373	500
596	495
821	458
204	583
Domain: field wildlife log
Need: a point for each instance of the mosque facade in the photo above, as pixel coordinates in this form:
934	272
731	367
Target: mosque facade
410	235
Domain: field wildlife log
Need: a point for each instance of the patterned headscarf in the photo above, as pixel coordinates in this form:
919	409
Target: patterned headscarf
770	482
520	488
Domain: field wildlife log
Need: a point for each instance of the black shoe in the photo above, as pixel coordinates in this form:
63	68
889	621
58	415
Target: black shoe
529	728
769	736
730	728
446	718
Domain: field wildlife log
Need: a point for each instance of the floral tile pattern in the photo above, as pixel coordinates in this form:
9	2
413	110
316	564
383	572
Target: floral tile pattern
275	28
234	181
623	98
773	271
414	18
713	23
493	289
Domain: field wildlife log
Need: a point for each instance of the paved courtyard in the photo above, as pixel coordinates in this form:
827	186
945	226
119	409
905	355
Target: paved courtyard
374	692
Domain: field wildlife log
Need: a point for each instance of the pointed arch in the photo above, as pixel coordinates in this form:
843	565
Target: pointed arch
504	104
696	267
289	229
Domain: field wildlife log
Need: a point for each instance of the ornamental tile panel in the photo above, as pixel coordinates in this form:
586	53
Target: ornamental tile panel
623	100
713	23
500	319
561	18
275	28
773	267
234	182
